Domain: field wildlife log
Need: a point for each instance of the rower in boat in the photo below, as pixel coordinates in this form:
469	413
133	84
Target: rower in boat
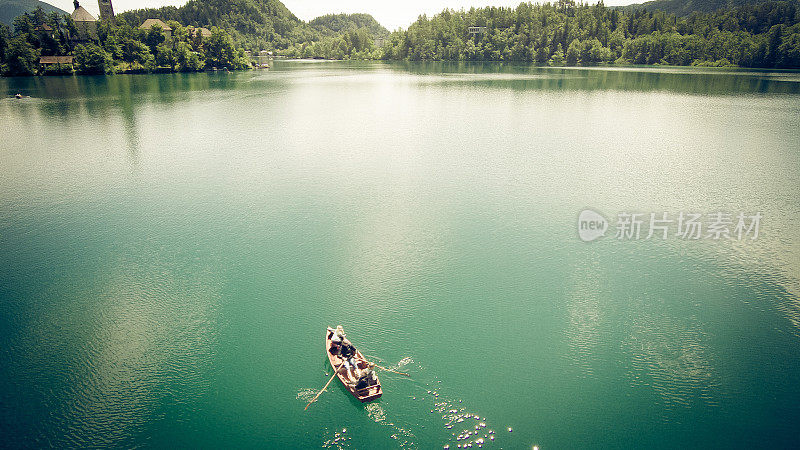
337	338
337	335
366	379
348	353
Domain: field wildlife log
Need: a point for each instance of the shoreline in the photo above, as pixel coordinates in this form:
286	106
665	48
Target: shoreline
164	71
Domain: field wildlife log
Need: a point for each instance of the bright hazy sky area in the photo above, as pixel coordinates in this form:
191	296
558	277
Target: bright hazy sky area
391	14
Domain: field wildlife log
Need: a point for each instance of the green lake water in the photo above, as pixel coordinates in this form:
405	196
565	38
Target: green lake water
172	248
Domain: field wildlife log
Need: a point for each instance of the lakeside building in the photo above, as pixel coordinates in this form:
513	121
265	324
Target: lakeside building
85	23
46	61
204	32
46	29
150	23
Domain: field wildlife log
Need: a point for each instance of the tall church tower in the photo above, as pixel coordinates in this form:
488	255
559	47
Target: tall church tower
106	10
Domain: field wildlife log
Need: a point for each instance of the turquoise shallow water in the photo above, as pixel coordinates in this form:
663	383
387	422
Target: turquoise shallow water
173	246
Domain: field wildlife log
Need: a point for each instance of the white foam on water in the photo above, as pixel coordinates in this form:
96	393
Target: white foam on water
403	436
306	394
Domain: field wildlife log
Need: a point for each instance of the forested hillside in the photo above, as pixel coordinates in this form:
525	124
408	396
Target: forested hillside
761	35
331	24
9	9
256	24
686	7
260	24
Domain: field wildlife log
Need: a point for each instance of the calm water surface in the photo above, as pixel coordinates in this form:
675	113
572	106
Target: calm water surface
172	247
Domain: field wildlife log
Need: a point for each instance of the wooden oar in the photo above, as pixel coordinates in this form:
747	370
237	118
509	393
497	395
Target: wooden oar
387	369
335	371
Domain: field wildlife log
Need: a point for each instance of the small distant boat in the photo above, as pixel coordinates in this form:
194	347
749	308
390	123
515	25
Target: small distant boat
367	394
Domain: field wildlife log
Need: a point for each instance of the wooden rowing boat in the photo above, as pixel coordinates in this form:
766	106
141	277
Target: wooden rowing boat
347	378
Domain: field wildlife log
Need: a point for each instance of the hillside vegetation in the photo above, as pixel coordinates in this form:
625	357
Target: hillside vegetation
332	24
686	7
765	34
10	9
259	24
115	47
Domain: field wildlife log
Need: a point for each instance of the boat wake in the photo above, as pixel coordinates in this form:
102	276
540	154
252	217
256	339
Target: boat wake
466	427
338	441
403	436
404	362
376	413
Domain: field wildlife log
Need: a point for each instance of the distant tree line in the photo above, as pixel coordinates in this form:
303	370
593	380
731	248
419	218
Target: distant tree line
115	47
565	32
350	44
687	7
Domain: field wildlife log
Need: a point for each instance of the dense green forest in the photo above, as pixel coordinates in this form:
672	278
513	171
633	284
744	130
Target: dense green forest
341	36
265	24
333	24
254	24
687	7
115	47
757	35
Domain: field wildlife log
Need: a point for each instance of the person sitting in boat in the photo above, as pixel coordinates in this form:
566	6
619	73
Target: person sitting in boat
350	365
347	350
337	337
348	353
366	379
